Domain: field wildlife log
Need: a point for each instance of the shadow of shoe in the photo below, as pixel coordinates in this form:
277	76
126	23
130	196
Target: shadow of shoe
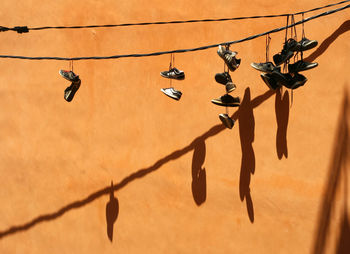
282	117
112	211
199	178
247	133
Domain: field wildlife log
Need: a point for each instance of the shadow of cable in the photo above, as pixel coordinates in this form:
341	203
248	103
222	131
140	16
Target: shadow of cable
132	177
328	41
282	117
199	179
246	132
112	211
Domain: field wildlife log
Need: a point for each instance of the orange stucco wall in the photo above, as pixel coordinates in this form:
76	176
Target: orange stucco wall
276	183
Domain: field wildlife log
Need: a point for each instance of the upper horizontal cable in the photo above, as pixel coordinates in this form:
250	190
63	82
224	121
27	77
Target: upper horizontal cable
181	50
25	29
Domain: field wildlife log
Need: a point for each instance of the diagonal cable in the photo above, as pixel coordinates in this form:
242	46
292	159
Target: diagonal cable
181	50
25	29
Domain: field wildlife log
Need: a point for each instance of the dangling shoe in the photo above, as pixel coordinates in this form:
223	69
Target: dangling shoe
172	93
297	81
301	66
287	52
173	74
69	75
225	79
227	101
267	67
230	87
306	44
227	121
269	81
229	57
71	90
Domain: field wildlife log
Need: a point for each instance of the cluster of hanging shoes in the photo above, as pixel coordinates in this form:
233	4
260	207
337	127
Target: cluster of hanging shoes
224	78
70	91
172	73
272	74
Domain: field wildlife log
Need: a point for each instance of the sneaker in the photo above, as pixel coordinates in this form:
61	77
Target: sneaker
282	57
70	91
69	75
226	120
287	52
229	57
173	74
172	93
230	87
296	81
223	78
267	67
288	80
269	81
301	66
227	101
306	44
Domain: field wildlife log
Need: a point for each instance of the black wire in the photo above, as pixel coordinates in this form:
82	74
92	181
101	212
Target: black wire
181	50
24	29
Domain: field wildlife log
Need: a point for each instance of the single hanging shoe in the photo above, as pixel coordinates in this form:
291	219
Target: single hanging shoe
267	67
306	44
223	78
301	66
70	91
173	74
172	93
287	52
227	101
227	121
230	87
69	75
229	57
269	81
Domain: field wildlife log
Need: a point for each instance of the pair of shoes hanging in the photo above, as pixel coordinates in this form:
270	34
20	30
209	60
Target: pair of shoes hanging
70	91
172	73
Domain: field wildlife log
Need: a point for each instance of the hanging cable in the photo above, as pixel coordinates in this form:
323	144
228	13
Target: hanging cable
25	29
180	50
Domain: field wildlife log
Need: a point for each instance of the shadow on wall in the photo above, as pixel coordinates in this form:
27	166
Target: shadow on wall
327	42
172	156
246	133
136	175
338	164
199	178
112	211
282	117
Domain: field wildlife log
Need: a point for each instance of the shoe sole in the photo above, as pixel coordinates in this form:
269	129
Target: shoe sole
170	95
308	46
236	104
262	70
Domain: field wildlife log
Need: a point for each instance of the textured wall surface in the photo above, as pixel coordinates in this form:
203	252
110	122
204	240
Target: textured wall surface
182	183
